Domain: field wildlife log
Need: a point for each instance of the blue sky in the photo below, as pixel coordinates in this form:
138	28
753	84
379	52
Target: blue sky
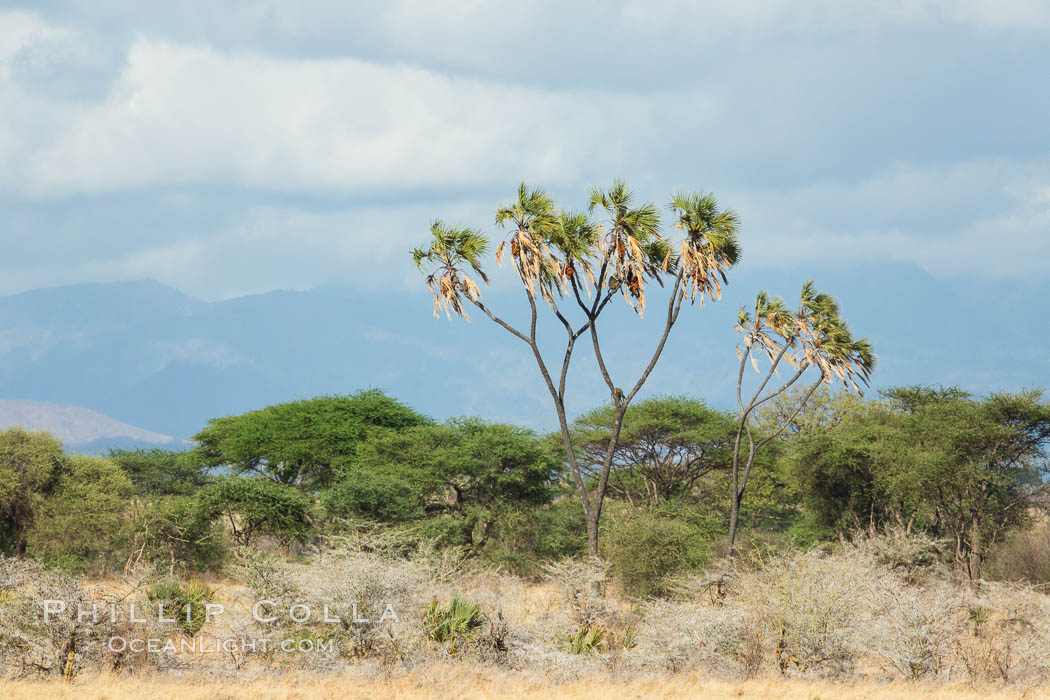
237	147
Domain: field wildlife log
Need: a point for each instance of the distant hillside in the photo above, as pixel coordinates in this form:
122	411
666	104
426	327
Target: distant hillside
76	427
149	356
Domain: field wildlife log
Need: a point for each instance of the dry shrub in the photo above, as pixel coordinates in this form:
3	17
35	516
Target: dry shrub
908	629
66	644
361	590
807	605
1007	635
888	599
578	581
901	551
725	640
879	606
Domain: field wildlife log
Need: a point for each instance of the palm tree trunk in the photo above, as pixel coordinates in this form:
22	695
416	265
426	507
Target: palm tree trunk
734	517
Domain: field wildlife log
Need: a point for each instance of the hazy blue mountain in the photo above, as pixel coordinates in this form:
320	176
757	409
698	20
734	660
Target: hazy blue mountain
78	428
149	356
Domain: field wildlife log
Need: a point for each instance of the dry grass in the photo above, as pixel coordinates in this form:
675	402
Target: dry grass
457	681
876	619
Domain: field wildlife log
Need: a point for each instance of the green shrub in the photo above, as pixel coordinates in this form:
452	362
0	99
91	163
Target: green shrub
176	534
807	531
524	539
29	465
80	520
586	641
646	550
374	495
599	639
185	602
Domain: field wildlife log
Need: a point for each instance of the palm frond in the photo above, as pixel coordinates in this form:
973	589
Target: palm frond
710	246
449	251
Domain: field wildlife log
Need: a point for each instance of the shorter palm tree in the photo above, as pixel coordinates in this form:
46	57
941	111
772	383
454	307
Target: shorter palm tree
813	336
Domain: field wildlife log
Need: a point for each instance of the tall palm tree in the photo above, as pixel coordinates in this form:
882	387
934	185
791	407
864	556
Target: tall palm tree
560	253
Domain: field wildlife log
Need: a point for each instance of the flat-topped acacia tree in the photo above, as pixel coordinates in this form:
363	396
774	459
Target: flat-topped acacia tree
813	337
575	267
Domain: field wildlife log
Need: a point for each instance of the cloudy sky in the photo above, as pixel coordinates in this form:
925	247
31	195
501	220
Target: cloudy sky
237	147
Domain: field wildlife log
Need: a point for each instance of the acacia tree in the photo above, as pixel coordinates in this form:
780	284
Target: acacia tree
577	267
815	336
300	443
963	469
667	445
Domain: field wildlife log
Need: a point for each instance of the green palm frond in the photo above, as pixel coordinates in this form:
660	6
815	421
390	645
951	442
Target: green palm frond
828	341
642	223
451	247
453	625
574	236
711	246
661	257
533	211
587	640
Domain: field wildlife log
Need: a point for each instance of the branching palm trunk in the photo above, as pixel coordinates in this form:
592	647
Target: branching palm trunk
592	501
741	470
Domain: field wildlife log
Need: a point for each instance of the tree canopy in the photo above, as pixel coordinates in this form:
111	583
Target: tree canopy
255	506
963	468
666	445
162	472
464	467
301	442
30	463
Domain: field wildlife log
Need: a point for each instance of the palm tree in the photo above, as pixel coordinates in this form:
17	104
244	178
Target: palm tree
813	336
560	254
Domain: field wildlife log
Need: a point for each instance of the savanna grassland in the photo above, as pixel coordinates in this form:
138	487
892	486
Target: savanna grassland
878	617
345	546
457	682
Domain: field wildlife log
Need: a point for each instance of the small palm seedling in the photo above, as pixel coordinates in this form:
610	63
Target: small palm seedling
453	625
183	602
586	641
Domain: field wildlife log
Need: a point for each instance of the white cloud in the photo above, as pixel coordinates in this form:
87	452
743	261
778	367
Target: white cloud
429	108
268	247
813	16
181	115
19	29
988	217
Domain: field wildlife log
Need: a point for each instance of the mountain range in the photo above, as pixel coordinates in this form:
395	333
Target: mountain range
80	428
148	356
